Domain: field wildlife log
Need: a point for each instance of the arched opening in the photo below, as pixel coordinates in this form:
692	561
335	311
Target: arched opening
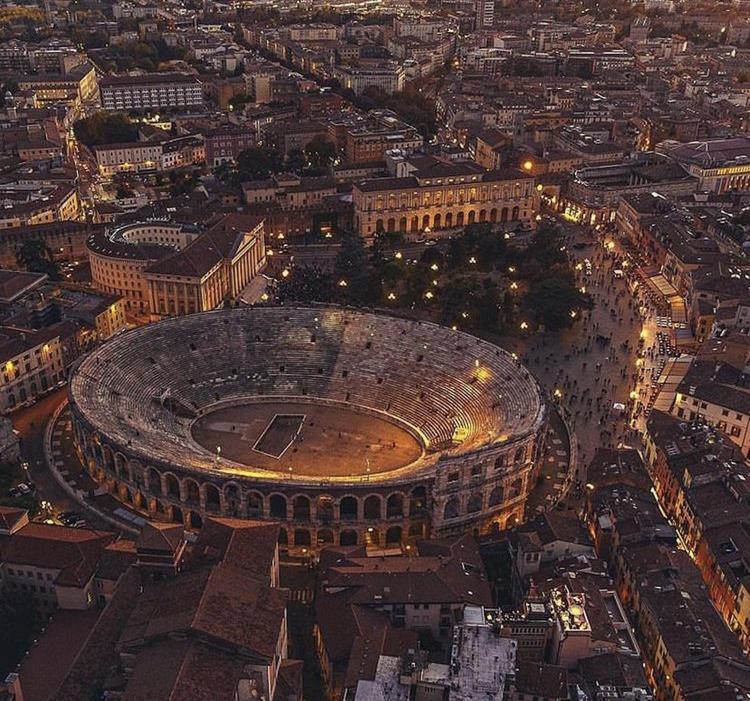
402	225
497	496
426	221
302	537
418	501
472	216
348	509
414	225
283	537
391	225
416	530
518	457
372	508
301	509
196	521
192	492
348	538
504	214
514	214
173	486
460	219
325	509
449	220
516	488
278	506
451	509
482	215
372	537
501	461
493	214
153	481
437	221
213	498
325	536
177	516
393	535
395	505
474	504
379	226
254	504
232	498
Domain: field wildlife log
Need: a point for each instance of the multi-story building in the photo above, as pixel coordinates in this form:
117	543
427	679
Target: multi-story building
223	144
55	565
72	88
180	91
389	76
368	140
163	268
718	164
441	195
33	361
24	206
149	156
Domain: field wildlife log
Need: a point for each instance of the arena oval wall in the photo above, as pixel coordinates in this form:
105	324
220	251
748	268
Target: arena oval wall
477	413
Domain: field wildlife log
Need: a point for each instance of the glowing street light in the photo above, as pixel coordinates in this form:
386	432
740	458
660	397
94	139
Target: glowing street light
511	269
285	272
342	283
557	394
398	255
573	314
429	294
264	296
513	285
391	296
524	326
472	260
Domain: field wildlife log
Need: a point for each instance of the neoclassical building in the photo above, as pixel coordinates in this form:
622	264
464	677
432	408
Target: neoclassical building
443	196
172	419
165	268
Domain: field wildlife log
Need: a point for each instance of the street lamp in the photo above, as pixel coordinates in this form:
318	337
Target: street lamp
524	326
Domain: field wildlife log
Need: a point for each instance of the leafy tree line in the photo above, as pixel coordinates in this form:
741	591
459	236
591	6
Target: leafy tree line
104	128
479	282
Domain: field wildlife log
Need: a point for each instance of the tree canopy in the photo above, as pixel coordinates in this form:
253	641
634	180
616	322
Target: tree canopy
102	128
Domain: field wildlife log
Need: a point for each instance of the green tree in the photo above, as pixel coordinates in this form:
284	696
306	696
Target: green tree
103	128
351	267
320	154
555	301
257	162
35	256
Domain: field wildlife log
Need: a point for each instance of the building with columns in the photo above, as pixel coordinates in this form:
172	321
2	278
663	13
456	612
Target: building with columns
433	195
165	268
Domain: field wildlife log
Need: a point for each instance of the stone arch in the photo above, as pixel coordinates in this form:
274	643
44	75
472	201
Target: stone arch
402	225
452	508
254	504
153	480
414	225
121	467
278	506
393	535
177	515
379	226
472	216
482	215
449	220
504	214
195	520
474	503
373	508
518	456
417	500
501	461
325	508
493	214
302	537
514	214
497	496
300	509
325	536
394	506
171	485
391	225
192	491
349	508
108	458
516	488
213	497
348	537
460	218
283	537
372	536
416	530
426	221
232	497
437	221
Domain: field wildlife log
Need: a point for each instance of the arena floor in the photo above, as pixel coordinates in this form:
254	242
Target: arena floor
314	440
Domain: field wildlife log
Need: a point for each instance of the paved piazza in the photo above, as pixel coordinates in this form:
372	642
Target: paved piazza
331	441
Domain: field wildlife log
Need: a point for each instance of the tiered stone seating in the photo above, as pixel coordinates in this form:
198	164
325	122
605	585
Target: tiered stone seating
432	378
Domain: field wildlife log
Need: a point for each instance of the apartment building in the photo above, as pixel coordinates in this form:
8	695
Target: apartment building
180	91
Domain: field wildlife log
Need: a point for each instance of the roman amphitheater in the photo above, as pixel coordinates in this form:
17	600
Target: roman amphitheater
348	427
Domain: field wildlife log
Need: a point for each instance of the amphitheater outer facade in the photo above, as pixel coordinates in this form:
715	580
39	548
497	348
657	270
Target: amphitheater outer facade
476	413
